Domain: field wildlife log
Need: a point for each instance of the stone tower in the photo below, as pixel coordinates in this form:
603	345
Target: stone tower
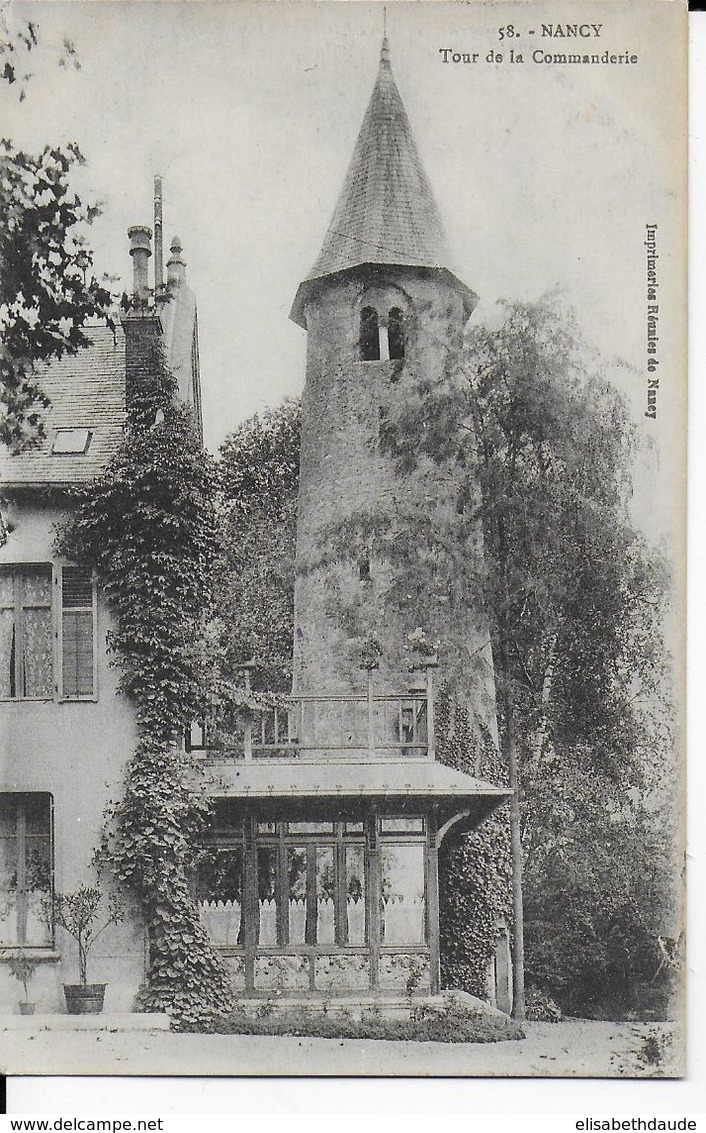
384	314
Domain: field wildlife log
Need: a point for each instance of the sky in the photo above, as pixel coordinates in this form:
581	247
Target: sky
545	175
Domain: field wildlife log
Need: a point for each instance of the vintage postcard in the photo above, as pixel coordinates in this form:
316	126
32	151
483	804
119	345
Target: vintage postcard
342	547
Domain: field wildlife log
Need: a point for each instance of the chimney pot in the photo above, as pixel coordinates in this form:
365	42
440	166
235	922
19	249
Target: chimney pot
176	265
158	255
140	249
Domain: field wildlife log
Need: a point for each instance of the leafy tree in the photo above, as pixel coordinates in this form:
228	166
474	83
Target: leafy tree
47	287
600	933
259	479
537	445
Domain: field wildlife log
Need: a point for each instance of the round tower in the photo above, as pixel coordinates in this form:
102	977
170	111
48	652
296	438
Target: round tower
384	314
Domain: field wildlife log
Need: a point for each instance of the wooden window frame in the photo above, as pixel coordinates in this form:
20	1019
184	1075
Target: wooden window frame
280	840
21	862
15	571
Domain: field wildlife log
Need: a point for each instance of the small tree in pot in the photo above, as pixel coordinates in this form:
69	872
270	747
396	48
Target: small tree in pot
80	915
23	969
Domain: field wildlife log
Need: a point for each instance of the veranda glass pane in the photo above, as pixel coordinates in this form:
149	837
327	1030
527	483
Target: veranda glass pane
355	894
310	827
37	659
220	894
404	825
325	895
267	895
402	898
296	877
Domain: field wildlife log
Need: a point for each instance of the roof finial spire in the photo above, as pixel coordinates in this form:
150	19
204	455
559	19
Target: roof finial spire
385	50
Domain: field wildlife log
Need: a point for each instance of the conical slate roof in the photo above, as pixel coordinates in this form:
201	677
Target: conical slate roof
386	212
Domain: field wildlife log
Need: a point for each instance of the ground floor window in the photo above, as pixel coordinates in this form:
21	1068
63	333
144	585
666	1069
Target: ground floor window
313	882
25	870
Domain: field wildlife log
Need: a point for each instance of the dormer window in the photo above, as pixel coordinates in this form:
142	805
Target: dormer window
369	335
71	442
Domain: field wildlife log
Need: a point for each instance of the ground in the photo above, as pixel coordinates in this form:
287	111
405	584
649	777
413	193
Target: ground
572	1048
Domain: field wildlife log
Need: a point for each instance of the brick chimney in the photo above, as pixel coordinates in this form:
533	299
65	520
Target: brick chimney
143	344
140	249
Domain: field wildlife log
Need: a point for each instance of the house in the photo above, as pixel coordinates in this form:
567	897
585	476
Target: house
65	732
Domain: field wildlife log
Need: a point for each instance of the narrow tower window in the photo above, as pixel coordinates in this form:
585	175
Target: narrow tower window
369	337
395	333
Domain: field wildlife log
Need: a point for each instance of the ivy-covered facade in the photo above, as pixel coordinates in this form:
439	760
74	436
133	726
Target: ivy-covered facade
67	732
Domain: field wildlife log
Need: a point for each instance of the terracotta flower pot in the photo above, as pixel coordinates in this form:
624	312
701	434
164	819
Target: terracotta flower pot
26	1007
84	999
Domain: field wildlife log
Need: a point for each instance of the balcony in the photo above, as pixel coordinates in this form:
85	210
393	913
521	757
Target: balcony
364	727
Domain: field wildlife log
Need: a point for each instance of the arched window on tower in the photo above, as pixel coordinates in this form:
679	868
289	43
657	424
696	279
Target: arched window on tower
395	333
369	336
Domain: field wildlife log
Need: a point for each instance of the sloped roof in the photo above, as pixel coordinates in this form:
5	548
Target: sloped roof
386	212
87	390
406	781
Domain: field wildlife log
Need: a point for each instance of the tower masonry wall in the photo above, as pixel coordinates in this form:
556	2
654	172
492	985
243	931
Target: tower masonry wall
377	542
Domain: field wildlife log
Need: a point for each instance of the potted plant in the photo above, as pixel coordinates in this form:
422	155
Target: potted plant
23	969
425	651
80	915
371	650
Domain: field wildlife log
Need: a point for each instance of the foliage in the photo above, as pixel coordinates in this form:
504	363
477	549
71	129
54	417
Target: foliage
536	446
259	480
23	969
78	913
575	598
47	288
595	898
147	526
474	869
541	1008
447	1023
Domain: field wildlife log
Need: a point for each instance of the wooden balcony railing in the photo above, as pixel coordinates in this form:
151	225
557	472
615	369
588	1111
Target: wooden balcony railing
354	727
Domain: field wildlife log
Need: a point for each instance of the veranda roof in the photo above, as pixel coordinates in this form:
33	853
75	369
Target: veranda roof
407	782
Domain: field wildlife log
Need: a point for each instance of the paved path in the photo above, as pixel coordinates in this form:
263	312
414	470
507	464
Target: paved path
575	1048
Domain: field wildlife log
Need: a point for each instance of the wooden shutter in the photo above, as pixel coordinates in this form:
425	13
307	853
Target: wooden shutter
78	616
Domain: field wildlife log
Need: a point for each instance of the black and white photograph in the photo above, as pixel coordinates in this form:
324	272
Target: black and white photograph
342	538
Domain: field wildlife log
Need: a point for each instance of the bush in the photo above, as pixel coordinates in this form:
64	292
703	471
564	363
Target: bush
447	1024
541	1008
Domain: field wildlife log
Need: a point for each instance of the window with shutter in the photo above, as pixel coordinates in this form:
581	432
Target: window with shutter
77	633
